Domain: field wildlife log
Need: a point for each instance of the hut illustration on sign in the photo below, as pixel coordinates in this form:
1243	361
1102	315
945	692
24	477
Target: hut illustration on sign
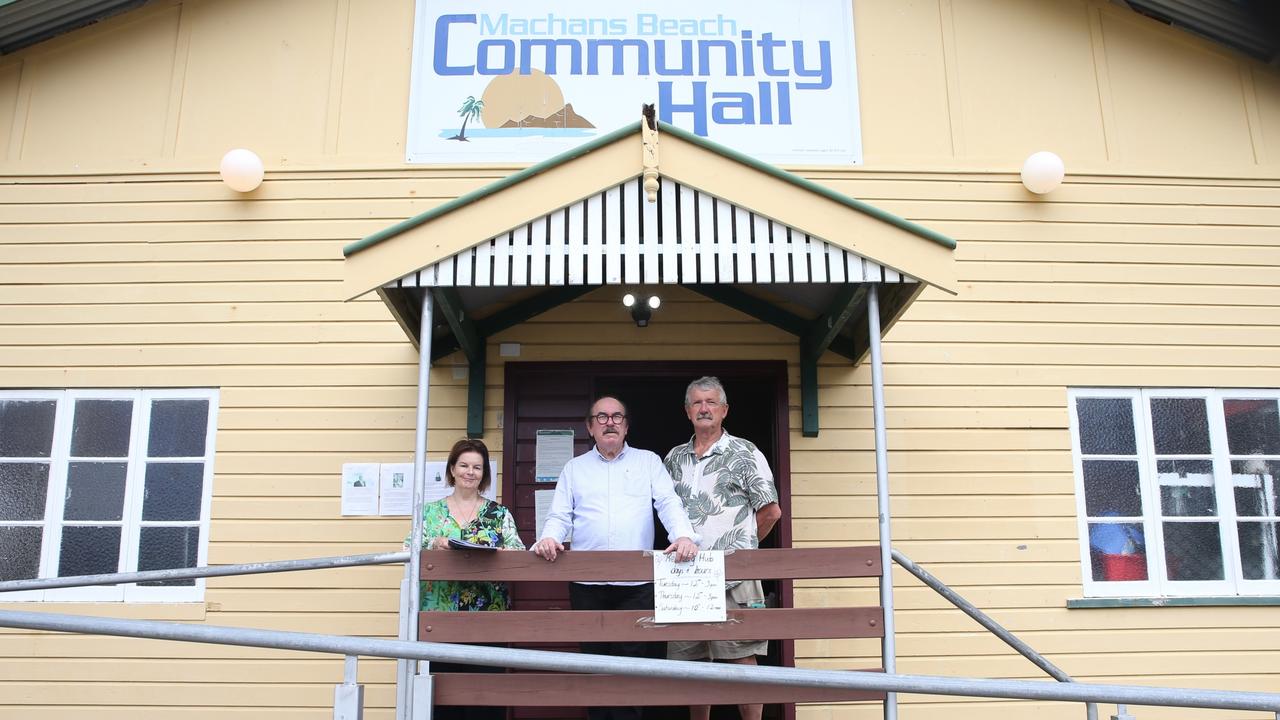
520	105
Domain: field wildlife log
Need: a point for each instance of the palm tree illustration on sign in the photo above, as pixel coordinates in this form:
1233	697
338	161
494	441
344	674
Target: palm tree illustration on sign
470	110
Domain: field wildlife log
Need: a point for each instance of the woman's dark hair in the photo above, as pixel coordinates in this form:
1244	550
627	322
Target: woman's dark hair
469	445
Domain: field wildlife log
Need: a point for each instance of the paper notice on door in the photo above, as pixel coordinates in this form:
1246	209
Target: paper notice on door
541	508
554	449
690	591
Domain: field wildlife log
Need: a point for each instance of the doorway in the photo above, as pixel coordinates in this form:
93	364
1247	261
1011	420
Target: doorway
557	395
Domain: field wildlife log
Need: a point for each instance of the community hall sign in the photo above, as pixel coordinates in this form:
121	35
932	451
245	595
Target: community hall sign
505	81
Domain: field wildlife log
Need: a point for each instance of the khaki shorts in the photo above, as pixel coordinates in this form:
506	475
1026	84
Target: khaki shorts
745	594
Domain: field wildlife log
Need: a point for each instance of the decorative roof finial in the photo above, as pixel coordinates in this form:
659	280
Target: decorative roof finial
649	144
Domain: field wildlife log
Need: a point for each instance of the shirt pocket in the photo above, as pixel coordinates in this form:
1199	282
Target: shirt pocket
635	484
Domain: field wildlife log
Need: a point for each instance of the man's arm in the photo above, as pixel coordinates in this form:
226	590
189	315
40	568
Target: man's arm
766	518
669	505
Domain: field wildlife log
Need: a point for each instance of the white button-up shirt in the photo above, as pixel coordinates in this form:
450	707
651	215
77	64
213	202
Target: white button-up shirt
606	503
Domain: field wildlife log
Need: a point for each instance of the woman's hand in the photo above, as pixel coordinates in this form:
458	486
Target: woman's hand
439	543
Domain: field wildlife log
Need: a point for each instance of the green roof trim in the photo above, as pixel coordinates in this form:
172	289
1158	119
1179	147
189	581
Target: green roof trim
491	188
811	186
620	133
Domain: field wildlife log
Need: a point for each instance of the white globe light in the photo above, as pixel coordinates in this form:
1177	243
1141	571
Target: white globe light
654	302
241	170
1043	172
628	300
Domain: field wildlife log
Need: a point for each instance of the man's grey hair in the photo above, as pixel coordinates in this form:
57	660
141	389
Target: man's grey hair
706	382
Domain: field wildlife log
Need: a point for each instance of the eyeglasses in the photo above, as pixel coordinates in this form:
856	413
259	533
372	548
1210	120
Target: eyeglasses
605	418
705	403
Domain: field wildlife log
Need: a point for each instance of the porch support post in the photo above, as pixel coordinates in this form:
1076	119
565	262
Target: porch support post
882	494
409	607
808	394
472	344
816	340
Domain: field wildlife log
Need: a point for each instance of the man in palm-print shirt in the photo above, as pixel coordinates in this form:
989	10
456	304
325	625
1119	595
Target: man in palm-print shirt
728	491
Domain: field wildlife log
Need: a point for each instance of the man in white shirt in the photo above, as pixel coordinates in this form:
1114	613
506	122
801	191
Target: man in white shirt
606	497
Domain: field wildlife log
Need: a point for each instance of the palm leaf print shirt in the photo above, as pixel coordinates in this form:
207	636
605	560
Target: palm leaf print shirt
722	490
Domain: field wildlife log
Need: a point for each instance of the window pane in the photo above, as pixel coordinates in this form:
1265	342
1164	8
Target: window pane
26	427
1253	427
1111	488
1186	488
173	491
22	490
19	552
101	428
162	548
1259	551
1193	551
1106	426
1255	483
1117	551
1180	426
95	491
89	551
178	428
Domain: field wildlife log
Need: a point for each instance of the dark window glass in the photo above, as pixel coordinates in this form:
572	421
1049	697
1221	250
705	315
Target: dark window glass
1259	550
1193	551
1256	491
26	428
1253	427
178	428
173	491
23	487
19	552
101	428
95	491
1106	426
89	551
1180	426
163	548
1111	488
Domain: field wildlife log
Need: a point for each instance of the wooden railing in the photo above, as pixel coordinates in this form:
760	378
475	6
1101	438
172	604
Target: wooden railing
560	626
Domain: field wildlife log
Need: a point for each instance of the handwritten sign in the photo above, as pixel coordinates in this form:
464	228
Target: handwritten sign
690	591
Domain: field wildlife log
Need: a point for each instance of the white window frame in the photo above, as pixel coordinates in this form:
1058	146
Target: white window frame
131	522
1157	584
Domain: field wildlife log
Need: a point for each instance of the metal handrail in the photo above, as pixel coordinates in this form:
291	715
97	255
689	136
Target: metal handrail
685	670
989	623
204	572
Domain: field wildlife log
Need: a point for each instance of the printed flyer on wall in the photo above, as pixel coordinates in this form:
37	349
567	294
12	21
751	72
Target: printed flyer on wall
499	81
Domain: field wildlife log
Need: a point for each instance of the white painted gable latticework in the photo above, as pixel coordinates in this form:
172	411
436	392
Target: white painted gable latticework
616	237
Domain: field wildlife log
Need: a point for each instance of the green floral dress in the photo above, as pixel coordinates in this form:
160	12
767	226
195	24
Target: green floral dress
494	527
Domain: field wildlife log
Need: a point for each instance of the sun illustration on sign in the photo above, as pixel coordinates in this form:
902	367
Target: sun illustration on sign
520	104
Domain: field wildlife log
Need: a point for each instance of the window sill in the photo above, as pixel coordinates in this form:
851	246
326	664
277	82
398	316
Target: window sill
1126	602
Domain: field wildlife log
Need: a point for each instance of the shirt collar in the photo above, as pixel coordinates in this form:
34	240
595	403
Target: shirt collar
717	447
596	449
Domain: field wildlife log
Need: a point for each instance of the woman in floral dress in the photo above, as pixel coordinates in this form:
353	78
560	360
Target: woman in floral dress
466	515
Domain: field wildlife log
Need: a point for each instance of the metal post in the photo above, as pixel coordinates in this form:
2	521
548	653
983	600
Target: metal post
409	607
889	646
422	692
348	698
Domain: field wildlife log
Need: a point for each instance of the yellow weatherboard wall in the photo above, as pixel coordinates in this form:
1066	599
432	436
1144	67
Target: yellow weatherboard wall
124	262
